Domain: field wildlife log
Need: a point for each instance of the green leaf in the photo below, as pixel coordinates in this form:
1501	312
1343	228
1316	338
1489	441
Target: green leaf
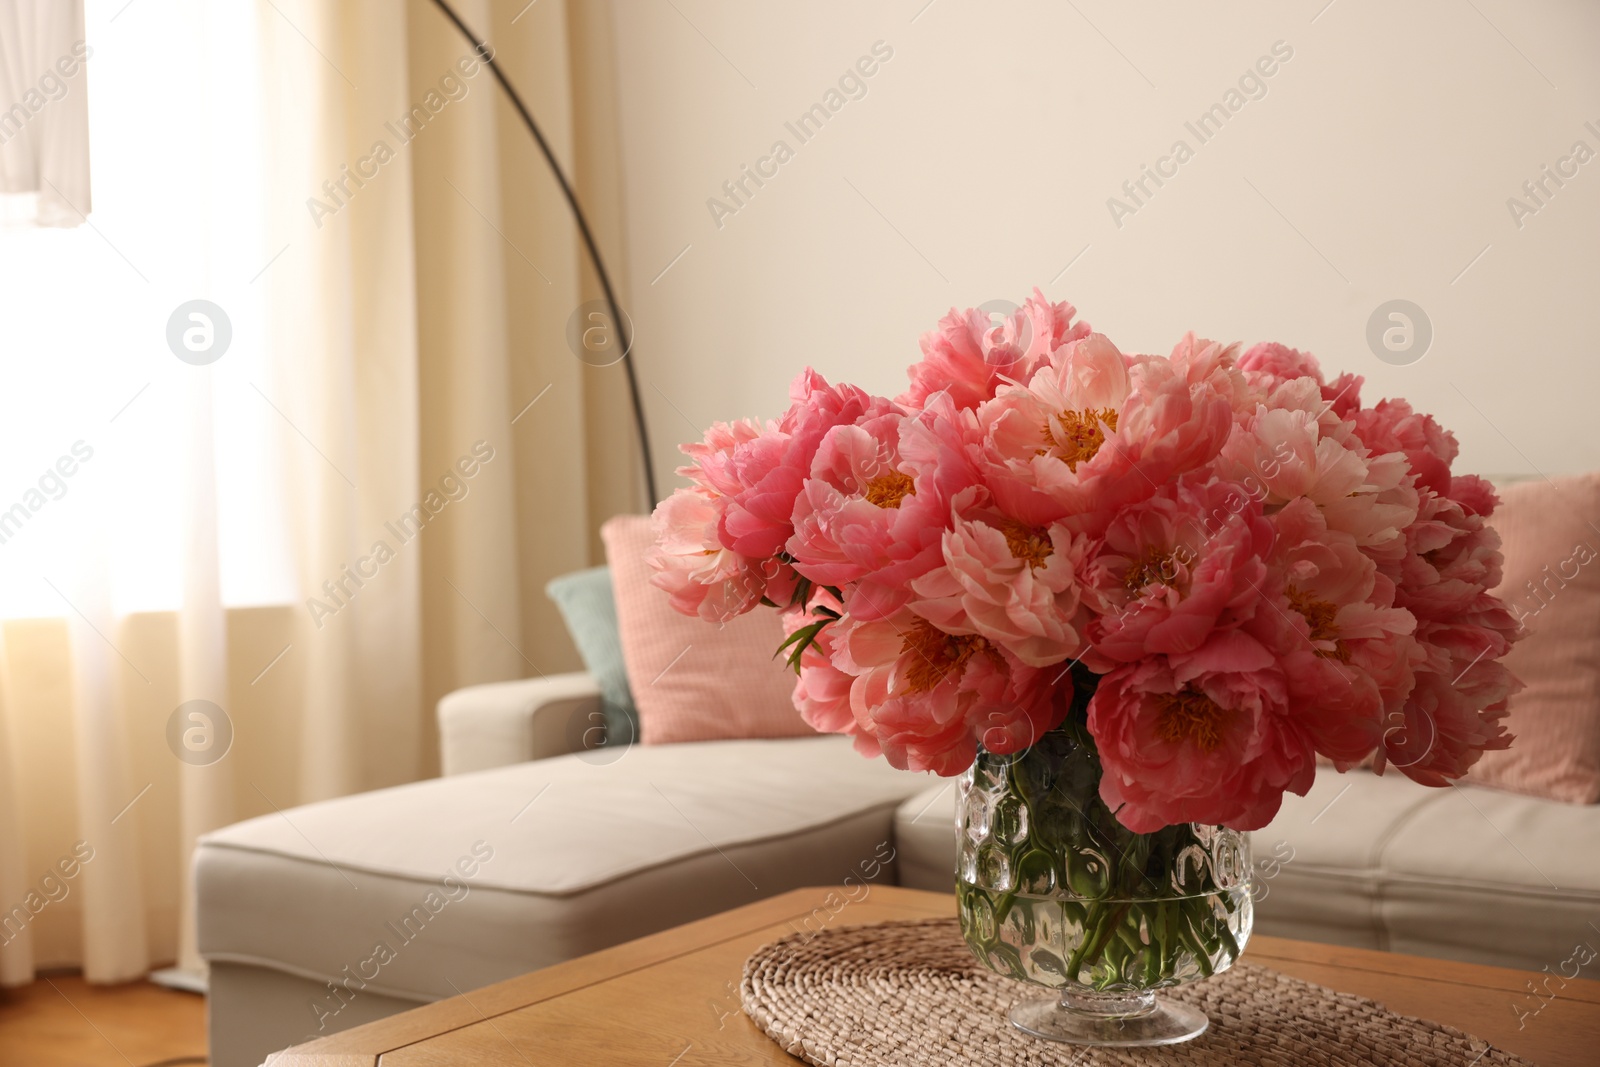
800	640
805	633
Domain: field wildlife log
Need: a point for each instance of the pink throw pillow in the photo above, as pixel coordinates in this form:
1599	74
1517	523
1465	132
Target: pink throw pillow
692	680
1552	585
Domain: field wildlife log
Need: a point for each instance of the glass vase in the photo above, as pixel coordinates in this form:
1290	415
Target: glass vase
1054	891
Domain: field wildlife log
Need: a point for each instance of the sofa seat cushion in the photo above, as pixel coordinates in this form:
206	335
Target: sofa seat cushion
925	838
1332	833
416	891
1319	865
1466	873
1339	840
1494	877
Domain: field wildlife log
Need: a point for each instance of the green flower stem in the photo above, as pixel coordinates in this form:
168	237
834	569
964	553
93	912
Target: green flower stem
1168	939
1088	948
1196	942
1229	942
1156	956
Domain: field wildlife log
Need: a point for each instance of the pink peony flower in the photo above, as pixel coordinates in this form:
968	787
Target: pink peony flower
1282	453
1257	568
968	356
822	690
1344	649
1217	748
1088	435
701	576
865	519
1443	729
930	697
723	461
765	474
1280	363
1453	713
1015	584
1475	495
1452	557
1175	568
937	446
1270	365
1197	360
1037	435
1392	426
1343	395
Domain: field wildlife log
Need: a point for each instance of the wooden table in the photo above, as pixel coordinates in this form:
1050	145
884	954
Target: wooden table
672	1000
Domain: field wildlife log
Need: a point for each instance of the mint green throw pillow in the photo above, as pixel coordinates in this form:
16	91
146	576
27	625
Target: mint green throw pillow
584	598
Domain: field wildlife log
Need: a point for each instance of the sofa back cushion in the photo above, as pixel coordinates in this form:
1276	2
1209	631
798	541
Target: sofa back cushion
694	680
1552	585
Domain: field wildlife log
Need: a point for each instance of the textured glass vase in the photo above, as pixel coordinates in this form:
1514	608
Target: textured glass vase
1054	891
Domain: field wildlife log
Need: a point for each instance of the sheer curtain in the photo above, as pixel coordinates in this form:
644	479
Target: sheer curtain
44	144
268	559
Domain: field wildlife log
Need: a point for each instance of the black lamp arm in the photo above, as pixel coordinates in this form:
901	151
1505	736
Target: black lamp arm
486	54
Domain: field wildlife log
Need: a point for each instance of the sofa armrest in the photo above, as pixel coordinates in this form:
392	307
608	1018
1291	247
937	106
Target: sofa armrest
500	723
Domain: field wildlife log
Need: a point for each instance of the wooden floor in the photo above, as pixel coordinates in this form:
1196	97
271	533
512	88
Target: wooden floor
62	1021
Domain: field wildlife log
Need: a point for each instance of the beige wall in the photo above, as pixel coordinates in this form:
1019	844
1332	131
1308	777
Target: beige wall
980	162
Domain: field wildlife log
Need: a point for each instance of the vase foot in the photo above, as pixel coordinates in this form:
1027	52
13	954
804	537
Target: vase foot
1131	1021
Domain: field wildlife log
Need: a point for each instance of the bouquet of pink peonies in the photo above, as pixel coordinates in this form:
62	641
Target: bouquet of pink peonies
1238	565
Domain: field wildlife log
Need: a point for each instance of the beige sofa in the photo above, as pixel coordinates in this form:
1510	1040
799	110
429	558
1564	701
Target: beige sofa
530	851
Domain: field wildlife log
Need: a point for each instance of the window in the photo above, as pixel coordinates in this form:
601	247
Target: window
98	417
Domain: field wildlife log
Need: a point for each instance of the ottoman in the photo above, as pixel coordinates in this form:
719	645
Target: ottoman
348	910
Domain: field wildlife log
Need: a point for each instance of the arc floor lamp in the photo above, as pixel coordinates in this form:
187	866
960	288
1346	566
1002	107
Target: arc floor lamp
624	333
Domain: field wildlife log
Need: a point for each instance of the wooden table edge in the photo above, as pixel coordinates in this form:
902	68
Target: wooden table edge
365	1045
1263	949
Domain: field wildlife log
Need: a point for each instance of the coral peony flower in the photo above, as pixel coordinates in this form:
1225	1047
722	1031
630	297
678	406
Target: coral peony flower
1175	568
1015	584
968	356
930	697
701	576
1089	434
1453	712
764	475
1443	729
1475	495
1198	360
1270	365
1452	558
723	461
1256	568
1032	438
1217	748
822	691
864	518
1392	426
1270	360
1344	649
1282	453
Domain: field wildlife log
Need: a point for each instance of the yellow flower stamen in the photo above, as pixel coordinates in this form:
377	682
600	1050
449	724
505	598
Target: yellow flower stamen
1078	435
1190	716
937	654
1320	615
1031	543
888	490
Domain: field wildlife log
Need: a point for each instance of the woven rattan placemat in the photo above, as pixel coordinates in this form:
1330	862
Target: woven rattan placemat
910	994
